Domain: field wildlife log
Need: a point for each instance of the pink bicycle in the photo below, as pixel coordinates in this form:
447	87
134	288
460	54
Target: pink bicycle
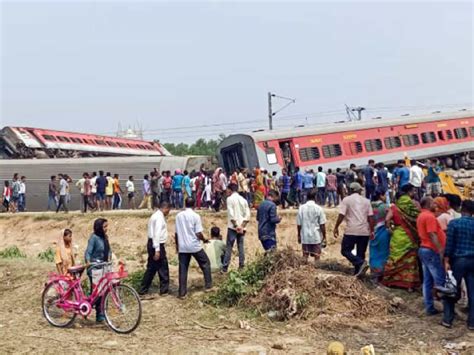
63	298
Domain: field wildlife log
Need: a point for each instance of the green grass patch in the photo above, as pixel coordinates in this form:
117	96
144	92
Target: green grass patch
12	252
134	279
47	255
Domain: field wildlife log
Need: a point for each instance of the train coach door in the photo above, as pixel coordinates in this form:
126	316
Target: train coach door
233	157
288	155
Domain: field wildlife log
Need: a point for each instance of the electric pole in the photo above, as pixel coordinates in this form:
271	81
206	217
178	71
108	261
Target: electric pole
270	110
270	113
350	113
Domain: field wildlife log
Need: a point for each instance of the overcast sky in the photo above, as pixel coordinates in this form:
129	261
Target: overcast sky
84	66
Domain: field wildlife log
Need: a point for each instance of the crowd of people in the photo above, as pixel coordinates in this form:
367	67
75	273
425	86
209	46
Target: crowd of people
415	234
105	191
413	242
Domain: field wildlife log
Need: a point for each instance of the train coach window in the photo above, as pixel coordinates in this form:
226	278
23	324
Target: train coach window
355	147
460	133
428	137
63	139
111	144
332	150
271	156
76	140
449	134
49	137
99	142
471	129
307	154
392	142
411	139
122	145
373	145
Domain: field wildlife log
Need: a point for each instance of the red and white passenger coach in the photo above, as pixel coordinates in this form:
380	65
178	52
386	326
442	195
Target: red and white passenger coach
447	136
26	142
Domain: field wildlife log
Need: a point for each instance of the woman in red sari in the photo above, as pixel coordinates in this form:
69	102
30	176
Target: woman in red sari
402	269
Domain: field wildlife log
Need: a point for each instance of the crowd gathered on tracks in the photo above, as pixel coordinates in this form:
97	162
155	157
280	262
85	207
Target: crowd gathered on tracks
417	235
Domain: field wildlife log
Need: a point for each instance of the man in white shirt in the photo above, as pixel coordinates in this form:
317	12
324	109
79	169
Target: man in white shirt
130	186
311	222
238	216
416	178
188	244
80	185
22	196
157	261
93	198
357	212
63	189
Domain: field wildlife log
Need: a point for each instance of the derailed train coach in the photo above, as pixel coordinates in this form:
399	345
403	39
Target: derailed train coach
39	143
39	171
447	136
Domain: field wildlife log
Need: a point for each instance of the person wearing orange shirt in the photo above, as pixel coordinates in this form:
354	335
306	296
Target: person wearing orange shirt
117	192
432	245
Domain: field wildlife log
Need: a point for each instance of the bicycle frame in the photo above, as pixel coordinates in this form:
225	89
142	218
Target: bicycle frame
83	304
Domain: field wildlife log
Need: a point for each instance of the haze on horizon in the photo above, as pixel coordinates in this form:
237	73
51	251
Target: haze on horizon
189	70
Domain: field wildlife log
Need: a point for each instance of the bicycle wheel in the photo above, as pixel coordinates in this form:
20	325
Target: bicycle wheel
122	309
54	314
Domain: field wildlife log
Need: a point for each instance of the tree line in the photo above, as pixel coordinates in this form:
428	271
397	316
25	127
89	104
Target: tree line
200	147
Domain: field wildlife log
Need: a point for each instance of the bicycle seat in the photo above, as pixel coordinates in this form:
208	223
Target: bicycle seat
76	269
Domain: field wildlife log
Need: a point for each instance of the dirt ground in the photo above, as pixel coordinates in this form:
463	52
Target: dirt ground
170	325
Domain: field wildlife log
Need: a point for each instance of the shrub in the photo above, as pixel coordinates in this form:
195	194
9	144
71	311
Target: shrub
12	252
134	279
240	284
47	255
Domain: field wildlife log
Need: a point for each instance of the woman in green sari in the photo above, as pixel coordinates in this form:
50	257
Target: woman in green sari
402	269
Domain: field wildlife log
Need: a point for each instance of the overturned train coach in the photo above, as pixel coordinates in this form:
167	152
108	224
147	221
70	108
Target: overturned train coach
39	171
27	143
447	136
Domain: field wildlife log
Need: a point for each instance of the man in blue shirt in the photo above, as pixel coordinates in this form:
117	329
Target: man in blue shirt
459	257
369	173
401	175
284	184
433	187
178	189
382	181
308	184
267	220
297	186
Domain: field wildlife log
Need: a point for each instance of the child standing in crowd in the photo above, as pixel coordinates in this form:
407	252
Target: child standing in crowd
64	257
6	195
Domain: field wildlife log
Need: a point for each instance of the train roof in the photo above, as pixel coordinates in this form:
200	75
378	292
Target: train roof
98	160
332	127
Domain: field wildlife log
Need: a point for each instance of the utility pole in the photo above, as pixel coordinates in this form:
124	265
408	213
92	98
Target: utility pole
270	110
270	113
350	113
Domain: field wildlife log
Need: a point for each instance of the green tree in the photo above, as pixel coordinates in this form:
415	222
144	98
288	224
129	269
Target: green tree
199	147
